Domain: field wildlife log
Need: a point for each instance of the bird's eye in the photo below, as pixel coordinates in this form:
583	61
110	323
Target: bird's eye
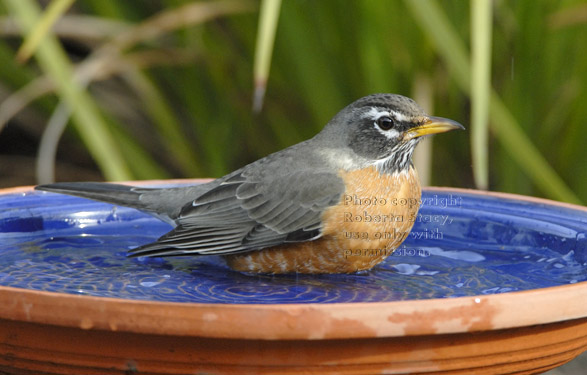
385	122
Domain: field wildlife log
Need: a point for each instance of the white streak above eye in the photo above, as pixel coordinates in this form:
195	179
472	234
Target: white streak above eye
375	113
400	117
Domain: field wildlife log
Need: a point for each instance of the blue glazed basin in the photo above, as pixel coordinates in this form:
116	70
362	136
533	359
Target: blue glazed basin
462	244
486	283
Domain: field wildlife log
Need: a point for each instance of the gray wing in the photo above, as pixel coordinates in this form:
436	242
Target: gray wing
249	211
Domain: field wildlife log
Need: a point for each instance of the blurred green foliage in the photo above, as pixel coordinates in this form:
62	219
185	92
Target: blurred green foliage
178	102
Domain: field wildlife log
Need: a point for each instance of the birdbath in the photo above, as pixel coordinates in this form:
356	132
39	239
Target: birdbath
486	283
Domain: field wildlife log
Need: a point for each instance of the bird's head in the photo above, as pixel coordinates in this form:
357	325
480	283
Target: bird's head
383	130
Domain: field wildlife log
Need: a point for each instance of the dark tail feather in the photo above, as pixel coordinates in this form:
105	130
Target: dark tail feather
100	191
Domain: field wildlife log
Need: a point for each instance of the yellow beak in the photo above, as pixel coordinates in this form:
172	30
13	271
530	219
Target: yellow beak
433	126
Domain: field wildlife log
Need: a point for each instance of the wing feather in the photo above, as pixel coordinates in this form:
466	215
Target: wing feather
250	211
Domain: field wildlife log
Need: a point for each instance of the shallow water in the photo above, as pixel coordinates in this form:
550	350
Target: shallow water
461	245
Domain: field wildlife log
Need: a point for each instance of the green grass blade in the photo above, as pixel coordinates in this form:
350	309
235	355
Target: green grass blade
444	37
87	118
167	124
141	162
481	28
268	18
55	9
525	154
446	41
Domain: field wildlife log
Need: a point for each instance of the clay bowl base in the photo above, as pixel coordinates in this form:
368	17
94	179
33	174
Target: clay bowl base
44	349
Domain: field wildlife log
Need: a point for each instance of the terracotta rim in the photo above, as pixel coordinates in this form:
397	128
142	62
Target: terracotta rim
303	321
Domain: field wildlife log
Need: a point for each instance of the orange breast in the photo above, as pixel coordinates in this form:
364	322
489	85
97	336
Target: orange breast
374	216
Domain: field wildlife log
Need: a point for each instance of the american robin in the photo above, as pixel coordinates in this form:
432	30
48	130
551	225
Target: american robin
340	202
